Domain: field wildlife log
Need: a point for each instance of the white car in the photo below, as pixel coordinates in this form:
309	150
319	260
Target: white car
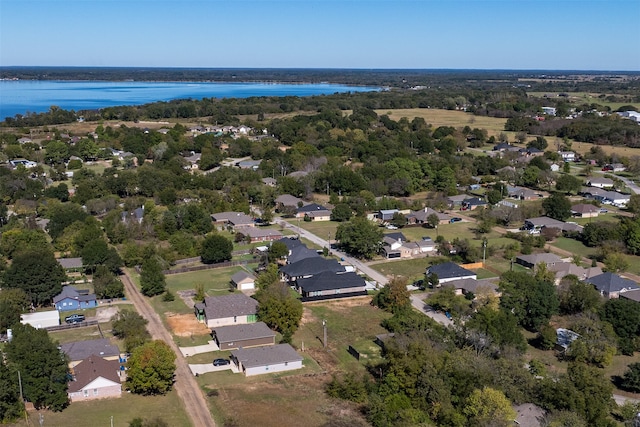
391	227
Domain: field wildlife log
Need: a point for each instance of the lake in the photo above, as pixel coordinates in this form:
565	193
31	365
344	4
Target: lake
22	96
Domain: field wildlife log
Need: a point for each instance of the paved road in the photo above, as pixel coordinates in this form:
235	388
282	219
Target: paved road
629	183
621	400
418	303
185	385
359	265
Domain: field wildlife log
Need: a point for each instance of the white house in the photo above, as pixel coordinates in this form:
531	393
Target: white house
266	360
42	319
95	378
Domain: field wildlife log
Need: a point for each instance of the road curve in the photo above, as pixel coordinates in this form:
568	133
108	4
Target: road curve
359	265
185	385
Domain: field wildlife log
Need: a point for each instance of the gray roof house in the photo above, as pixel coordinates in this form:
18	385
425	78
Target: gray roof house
266	360
70	263
288	200
562	269
242	336
421	216
243	280
80	350
530	261
235	219
449	271
546	222
611	285
464	286
95	378
309	267
227	310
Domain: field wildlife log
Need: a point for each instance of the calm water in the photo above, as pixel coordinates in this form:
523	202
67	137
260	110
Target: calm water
20	97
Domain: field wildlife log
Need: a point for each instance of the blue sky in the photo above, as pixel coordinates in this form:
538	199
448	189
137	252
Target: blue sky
478	34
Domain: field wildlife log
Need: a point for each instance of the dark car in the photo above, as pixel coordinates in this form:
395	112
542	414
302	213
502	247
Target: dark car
74	318
455	219
221	362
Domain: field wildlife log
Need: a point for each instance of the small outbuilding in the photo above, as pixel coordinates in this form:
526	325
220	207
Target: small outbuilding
42	319
266	360
243	281
243	336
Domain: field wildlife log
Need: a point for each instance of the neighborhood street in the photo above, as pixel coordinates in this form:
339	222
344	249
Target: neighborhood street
185	385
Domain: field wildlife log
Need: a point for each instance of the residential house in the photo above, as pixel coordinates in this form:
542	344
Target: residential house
473	286
137	215
456	201
522	193
95	378
285	201
232	219
309	267
562	269
386	215
266	360
606	197
472	203
249	164
631	295
314	211
505	146
600	182
421	216
531	152
584	210
536	224
78	351
568	156
549	111
224	310
269	182
243	281
611	285
449	271
41	319
74	299
192	160
71	264
259	234
328	284
24	140
243	336
531	261
28	164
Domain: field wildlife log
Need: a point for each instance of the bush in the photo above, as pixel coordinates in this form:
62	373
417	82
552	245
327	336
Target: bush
168	296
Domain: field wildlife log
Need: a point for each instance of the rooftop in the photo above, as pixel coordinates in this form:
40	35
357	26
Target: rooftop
269	355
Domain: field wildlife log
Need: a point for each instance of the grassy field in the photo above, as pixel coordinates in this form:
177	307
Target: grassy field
413	269
574	246
123	410
436	118
84	333
585	98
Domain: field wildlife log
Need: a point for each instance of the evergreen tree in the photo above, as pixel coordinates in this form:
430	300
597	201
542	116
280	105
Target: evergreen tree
37	273
152	279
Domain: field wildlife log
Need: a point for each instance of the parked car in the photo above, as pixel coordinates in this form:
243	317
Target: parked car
221	362
455	219
75	318
391	227
603	210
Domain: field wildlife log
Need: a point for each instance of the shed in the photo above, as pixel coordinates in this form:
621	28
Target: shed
266	360
243	336
243	281
41	319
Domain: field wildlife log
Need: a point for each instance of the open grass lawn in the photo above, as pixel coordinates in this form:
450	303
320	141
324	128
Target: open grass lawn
574	246
84	333
413	269
586	98
214	280
437	117
322	229
124	409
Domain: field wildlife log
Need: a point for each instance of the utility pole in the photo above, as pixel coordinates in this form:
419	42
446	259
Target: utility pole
484	251
324	331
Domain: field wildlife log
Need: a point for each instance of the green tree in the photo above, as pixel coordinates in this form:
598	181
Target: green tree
106	284
577	297
489	407
13	302
19	239
97	252
37	273
341	212
216	248
445	299
631	378
624	316
531	300
568	184
151	369
398	220
394	296
279	309
616	262
557	206
11	407
63	215
42	366
433	220
277	251
129	326
57	152
359	237
152	279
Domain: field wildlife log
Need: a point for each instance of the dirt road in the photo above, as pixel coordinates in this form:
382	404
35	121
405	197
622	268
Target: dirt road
185	385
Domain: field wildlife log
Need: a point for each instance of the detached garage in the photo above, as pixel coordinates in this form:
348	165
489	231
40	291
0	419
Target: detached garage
266	360
242	336
243	281
41	319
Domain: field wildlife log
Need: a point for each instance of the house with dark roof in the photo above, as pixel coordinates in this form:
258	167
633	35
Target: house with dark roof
287	200
243	281
538	223
421	216
314	212
95	378
473	286
472	203
73	299
385	215
233	219
77	351
243	336
328	284
532	260
266	360
450	271
611	285
136	215
456	201
224	310
309	267
631	295
521	193
300	253
563	269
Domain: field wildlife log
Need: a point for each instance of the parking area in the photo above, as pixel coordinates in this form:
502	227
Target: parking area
203	368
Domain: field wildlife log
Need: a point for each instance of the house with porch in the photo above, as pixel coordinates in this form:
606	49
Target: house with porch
74	299
95	378
314	212
421	216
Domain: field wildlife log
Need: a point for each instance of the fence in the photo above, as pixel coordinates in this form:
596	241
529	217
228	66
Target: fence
197	258
72	325
204	267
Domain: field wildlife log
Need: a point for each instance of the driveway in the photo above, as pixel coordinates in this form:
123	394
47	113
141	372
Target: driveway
207	348
418	303
203	368
381	279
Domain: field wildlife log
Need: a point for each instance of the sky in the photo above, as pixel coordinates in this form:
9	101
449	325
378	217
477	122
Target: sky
366	34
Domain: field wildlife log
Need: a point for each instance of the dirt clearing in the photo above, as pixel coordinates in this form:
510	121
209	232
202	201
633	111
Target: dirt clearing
184	325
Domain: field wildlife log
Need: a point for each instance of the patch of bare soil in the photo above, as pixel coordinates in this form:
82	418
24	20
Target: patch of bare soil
184	325
187	296
104	314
